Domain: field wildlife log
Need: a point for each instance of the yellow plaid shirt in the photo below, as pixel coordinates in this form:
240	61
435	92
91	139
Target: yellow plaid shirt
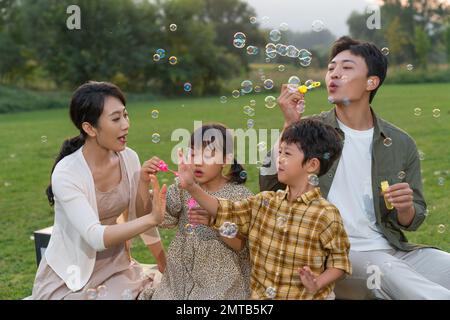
284	237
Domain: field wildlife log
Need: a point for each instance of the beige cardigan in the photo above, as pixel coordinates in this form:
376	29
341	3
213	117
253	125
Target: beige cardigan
77	232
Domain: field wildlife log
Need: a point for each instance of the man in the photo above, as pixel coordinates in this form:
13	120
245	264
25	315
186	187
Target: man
385	264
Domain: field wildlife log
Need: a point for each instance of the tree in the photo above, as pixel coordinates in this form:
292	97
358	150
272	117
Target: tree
422	47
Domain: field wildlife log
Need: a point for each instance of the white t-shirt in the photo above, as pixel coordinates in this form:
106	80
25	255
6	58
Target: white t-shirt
351	191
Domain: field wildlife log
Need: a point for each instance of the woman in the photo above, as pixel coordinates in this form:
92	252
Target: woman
97	181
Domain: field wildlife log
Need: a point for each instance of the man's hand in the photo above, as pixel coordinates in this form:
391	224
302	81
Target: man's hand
288	101
309	279
400	195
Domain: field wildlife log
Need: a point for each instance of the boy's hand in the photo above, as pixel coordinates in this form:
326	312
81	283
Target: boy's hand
150	167
199	216
288	101
184	172
309	279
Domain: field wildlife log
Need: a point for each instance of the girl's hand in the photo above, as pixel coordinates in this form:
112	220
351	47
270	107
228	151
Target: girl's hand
150	167
184	172
199	216
309	279
158	201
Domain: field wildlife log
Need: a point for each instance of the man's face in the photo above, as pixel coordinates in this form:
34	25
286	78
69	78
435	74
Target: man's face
347	79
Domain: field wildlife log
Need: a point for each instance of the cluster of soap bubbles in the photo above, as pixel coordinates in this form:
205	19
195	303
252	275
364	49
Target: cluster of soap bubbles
228	230
303	55
100	292
161	54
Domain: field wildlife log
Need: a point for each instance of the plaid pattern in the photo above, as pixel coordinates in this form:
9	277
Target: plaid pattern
284	237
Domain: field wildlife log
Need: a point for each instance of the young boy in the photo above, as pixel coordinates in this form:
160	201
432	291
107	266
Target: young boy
298	245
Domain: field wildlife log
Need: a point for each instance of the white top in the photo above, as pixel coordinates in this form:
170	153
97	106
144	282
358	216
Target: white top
77	232
351	191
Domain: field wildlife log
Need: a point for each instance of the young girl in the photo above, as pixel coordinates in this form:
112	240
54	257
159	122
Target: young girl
201	264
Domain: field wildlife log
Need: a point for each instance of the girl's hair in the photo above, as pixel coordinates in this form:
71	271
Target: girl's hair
86	106
206	136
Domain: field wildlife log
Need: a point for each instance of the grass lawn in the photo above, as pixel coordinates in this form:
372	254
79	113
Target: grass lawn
26	160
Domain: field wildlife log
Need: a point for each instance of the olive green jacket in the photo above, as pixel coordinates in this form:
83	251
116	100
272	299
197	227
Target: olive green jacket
387	162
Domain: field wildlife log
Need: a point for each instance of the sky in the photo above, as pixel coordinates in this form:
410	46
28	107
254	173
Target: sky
300	14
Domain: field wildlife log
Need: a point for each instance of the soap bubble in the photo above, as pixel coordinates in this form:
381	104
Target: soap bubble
387	142
318	25
281	221
441	181
270	102
239	40
268	84
187	86
156	57
236	94
253	20
91	294
228	230
257	89
127	294
436	113
44	139
173	60
282	49
173	27
252	50
417	111
156	138
292	51
275	35
247	86
161	52
243	175
223	99
294	80
261	146
189	228
250	123
313	180
271	293
252	103
281	68
401	175
441	228
421	155
251	112
271	48
102	291
385	51
284	26
409	67
155	114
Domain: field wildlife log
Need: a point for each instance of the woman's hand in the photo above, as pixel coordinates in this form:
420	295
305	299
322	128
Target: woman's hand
150	167
184	172
158	201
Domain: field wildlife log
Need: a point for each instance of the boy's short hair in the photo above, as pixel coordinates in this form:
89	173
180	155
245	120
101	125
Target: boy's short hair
377	63
316	140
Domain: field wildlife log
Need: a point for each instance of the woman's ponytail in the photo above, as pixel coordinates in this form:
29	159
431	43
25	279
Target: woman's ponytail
237	173
69	146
